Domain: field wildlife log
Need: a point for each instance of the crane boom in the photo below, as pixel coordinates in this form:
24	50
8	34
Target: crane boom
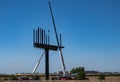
53	23
37	64
59	46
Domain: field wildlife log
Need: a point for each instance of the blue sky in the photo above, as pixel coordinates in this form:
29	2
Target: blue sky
90	33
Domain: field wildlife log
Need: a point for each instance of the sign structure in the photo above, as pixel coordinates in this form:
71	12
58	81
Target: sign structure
41	40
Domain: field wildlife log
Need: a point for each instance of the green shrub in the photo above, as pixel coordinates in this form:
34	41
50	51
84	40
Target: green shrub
80	72
81	75
101	77
36	77
13	77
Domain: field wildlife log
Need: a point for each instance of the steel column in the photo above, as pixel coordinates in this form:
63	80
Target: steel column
47	64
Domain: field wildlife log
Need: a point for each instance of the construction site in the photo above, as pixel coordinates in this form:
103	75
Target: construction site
41	41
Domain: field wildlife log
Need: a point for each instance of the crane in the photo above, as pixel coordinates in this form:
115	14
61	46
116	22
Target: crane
59	45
